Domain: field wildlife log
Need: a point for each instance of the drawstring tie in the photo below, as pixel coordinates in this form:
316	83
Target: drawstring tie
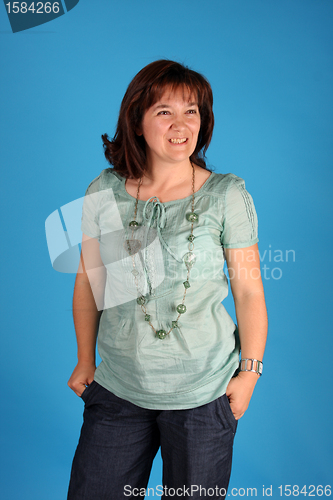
157	212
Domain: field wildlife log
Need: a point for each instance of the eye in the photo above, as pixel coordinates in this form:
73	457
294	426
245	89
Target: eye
191	111
164	112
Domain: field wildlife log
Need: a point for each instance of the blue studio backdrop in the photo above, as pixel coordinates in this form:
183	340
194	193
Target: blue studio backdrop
63	76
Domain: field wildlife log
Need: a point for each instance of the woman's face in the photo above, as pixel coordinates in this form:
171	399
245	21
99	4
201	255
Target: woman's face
171	127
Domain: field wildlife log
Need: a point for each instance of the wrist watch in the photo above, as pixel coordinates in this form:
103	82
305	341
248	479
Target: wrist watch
250	365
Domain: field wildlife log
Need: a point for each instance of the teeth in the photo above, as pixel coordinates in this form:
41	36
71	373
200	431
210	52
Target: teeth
178	141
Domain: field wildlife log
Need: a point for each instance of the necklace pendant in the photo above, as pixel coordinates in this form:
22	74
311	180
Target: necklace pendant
189	259
132	246
181	308
192	217
161	334
141	300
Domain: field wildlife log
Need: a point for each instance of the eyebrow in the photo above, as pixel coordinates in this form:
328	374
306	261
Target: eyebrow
168	106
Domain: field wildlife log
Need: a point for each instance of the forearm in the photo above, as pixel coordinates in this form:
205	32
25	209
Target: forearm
252	324
88	302
86	318
251	316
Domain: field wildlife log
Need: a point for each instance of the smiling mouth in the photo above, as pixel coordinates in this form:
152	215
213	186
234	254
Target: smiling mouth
178	141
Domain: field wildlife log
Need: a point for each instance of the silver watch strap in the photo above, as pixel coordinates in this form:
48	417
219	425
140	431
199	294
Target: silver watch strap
250	365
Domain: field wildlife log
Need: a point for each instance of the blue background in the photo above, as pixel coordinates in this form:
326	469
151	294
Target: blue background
270	66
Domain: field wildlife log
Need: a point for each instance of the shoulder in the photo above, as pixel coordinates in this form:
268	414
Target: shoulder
219	184
107	179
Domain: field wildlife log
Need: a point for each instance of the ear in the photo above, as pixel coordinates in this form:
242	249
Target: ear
138	130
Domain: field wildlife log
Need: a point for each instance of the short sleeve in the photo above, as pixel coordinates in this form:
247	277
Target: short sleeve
90	225
240	223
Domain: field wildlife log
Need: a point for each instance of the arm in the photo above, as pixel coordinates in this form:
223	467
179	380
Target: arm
87	305
247	289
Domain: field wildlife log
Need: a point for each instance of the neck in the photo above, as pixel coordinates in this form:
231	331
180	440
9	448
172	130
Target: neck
167	175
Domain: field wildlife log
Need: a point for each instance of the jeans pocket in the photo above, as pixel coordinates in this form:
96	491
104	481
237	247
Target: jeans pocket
84	396
225	405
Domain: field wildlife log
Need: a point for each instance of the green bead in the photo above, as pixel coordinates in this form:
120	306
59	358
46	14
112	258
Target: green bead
175	324
133	223
186	284
141	300
181	308
191	237
161	334
147	317
192	217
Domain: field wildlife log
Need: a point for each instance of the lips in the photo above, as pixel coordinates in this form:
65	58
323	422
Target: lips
177	140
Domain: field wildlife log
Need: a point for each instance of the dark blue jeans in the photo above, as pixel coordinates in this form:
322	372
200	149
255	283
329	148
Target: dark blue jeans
119	441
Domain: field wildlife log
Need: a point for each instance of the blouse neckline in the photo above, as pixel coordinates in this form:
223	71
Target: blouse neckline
171	202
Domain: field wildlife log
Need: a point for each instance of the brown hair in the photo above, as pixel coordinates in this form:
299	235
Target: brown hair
126	151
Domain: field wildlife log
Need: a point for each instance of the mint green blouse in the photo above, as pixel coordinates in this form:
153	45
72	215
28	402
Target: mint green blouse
194	363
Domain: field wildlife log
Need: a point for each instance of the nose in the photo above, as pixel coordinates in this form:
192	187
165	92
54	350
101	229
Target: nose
177	123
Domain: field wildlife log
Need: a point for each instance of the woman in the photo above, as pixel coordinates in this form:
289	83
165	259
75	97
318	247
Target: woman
156	228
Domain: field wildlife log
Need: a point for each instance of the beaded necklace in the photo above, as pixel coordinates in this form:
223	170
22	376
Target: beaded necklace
133	245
